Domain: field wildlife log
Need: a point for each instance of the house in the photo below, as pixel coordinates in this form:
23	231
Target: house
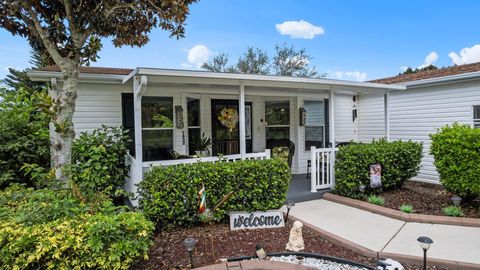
432	99
166	110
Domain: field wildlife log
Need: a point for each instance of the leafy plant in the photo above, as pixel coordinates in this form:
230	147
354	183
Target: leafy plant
456	150
374	199
98	162
406	208
453	211
202	144
53	229
24	136
169	194
162	121
400	161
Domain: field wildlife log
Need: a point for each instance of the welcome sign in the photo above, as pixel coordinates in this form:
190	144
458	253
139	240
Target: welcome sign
256	220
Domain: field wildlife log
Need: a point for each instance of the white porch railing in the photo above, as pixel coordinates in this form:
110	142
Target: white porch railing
322	168
227	158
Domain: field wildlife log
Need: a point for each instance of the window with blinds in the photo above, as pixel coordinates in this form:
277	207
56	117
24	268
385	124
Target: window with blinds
315	124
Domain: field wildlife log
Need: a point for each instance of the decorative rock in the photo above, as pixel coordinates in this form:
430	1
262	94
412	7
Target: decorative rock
392	265
295	240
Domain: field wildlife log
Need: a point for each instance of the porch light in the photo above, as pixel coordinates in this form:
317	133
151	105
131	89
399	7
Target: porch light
189	244
260	252
290	204
425	243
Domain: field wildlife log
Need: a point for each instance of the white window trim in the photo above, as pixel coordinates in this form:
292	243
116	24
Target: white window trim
476	121
305	151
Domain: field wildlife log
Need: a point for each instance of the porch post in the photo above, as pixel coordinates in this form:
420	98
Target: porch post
387	114
241	120
139	88
332	136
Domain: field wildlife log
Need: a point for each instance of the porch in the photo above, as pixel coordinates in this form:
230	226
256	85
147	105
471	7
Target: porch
168	110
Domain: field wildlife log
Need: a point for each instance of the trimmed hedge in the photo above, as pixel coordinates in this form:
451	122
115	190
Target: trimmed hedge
47	229
456	150
400	161
169	194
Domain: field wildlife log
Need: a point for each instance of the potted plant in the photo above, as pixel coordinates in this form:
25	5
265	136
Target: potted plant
202	145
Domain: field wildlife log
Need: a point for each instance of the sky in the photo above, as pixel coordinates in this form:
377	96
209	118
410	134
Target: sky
348	39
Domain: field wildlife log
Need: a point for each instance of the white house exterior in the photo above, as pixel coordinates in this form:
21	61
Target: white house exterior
116	97
432	99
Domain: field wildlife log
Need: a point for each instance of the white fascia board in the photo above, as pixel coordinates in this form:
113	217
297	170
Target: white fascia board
442	80
46	76
257	80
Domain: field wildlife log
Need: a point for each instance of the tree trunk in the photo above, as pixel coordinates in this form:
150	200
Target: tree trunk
61	126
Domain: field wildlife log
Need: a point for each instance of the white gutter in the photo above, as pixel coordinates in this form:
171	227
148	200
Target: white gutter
255	78
38	75
442	80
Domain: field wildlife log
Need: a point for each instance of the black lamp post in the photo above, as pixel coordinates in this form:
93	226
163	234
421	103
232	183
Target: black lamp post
290	204
425	243
189	244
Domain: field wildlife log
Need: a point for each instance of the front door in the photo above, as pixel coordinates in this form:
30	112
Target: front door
225	128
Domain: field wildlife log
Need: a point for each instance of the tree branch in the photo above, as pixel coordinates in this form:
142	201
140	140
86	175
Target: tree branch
73	28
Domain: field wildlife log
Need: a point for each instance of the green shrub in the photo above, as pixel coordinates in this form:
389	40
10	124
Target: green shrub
453	211
406	208
45	229
456	150
374	199
24	136
99	161
400	161
169	194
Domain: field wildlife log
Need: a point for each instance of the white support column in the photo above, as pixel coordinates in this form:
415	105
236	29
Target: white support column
241	120
387	114
313	169
332	135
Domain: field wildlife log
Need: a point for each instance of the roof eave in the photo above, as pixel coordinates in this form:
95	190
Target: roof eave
442	80
46	76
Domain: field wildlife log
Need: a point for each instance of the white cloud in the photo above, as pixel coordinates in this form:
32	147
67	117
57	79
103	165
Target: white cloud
350	75
403	68
467	55
430	59
197	55
299	29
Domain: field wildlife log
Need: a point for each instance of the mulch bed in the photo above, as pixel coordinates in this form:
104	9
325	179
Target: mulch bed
428	199
217	241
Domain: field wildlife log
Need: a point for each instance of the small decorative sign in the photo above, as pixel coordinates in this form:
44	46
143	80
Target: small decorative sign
375	175
256	220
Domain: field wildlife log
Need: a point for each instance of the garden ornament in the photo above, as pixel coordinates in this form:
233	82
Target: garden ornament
389	264
295	240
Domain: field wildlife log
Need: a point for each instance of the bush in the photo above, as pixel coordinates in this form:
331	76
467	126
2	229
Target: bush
24	136
98	161
453	211
456	150
374	199
47	229
169	194
400	161
406	208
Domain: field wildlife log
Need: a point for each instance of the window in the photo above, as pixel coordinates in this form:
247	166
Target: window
157	128
476	116
193	122
315	124
128	120
277	119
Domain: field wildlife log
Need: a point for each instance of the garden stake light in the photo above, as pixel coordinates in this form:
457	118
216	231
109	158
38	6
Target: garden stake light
189	244
290	205
361	188
425	243
260	252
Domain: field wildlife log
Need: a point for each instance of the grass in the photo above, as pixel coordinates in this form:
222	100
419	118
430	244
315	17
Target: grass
406	208
374	199
453	211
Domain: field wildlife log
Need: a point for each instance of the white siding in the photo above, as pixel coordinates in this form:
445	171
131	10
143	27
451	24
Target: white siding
344	128
417	113
371	120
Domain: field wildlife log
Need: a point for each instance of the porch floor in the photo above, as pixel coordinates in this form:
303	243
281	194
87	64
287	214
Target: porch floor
299	190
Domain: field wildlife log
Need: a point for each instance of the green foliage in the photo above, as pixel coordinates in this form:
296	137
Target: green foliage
202	144
410	70
46	229
169	194
374	199
24	136
456	150
453	211
162	121
400	161
98	162
407	208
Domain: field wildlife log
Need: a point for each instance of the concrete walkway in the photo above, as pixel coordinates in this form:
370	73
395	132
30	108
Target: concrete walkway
382	234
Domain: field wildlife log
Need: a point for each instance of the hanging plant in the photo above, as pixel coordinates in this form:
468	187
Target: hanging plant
228	117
